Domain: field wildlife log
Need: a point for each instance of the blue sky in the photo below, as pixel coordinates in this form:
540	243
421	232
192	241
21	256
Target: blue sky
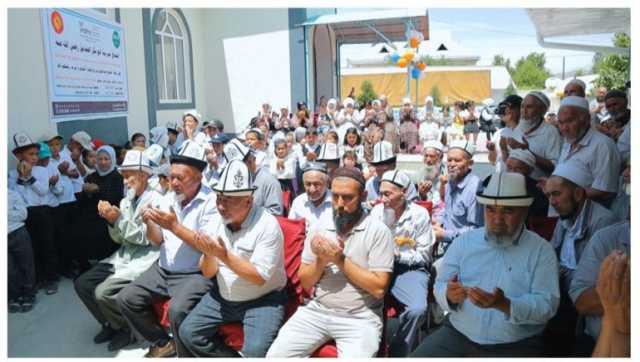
508	31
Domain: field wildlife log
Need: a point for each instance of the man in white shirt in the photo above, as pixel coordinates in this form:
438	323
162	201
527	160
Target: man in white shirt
176	275
536	135
348	259
596	152
315	202
243	249
509	112
384	159
410	225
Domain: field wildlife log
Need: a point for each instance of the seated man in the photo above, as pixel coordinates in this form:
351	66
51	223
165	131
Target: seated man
583	286
176	274
580	217
428	177
384	159
410	225
98	288
348	259
499	283
596	152
461	211
268	193
243	249
523	162
316	201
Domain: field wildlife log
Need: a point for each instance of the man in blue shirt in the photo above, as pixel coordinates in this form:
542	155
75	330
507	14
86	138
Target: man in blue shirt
499	283
462	213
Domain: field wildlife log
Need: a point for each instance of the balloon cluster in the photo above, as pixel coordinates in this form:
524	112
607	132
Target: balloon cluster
408	58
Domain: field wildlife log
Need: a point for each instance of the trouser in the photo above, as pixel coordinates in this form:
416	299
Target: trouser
560	332
446	341
410	288
41	227
64	217
20	267
260	320
98	291
135	300
309	328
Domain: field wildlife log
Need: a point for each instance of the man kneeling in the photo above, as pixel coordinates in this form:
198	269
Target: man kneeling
243	248
348	258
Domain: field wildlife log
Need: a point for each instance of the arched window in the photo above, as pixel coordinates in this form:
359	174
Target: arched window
172	44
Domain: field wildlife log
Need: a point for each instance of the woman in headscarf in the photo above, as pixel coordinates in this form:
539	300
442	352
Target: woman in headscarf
90	234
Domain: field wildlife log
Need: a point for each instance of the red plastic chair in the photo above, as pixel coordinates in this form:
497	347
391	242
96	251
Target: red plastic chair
542	225
426	204
286	202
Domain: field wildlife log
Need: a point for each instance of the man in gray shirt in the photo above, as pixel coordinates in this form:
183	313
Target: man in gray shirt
348	259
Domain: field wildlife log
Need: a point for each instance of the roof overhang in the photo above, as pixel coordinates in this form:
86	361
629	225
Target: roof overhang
564	22
374	26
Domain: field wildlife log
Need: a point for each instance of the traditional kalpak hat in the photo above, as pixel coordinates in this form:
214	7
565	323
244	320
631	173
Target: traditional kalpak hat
505	189
136	161
383	153
192	154
328	152
397	178
154	154
21	141
235	180
464	145
236	150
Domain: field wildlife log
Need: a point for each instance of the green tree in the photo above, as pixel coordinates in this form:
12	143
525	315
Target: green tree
367	93
435	93
529	72
613	69
500	60
580	73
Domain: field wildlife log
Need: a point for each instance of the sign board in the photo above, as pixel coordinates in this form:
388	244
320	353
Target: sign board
86	66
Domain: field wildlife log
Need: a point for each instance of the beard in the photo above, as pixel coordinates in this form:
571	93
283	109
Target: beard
343	219
178	198
502	239
131	193
527	124
431	172
389	217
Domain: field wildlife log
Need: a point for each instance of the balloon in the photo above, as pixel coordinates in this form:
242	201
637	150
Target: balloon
421	66
415	73
394	57
402	62
414	42
408	55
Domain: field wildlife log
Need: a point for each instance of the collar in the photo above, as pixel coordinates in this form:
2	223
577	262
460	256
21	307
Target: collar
581	224
585	138
462	184
201	196
327	198
249	219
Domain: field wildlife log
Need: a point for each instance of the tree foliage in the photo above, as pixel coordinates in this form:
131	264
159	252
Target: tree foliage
529	72
367	93
500	60
613	69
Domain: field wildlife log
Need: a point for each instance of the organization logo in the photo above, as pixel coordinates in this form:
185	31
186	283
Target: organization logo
56	22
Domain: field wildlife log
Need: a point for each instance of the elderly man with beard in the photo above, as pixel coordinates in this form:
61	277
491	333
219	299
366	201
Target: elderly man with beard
348	259
316	201
461	211
384	159
98	288
536	135
428	178
596	152
176	275
410	225
499	283
243	249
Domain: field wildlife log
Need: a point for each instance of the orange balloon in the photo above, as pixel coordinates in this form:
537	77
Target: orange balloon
402	62
414	42
408	56
421	66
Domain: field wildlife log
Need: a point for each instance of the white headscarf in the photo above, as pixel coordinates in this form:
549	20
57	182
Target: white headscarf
112	155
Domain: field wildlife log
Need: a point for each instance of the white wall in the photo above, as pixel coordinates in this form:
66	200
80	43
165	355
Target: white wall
247	63
27	80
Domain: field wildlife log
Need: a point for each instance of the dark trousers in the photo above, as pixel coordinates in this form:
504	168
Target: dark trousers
64	217
185	291
20	266
99	292
446	341
261	318
41	226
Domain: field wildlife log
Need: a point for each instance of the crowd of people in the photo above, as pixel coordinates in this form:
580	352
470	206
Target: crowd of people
191	213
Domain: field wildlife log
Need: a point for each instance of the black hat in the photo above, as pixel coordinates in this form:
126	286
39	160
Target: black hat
511	101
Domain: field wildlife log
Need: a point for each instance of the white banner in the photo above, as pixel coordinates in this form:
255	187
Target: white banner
86	66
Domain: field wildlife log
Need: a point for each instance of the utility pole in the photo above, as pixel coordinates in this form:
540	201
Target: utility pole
563	58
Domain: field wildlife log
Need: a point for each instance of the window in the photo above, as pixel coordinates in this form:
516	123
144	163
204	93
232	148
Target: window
171	45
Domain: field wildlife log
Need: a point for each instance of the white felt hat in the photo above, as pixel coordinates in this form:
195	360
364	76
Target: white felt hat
235	180
397	178
505	189
383	153
136	160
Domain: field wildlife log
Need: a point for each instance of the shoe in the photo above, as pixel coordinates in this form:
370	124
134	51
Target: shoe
120	340
14	306
168	350
51	287
105	335
28	304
